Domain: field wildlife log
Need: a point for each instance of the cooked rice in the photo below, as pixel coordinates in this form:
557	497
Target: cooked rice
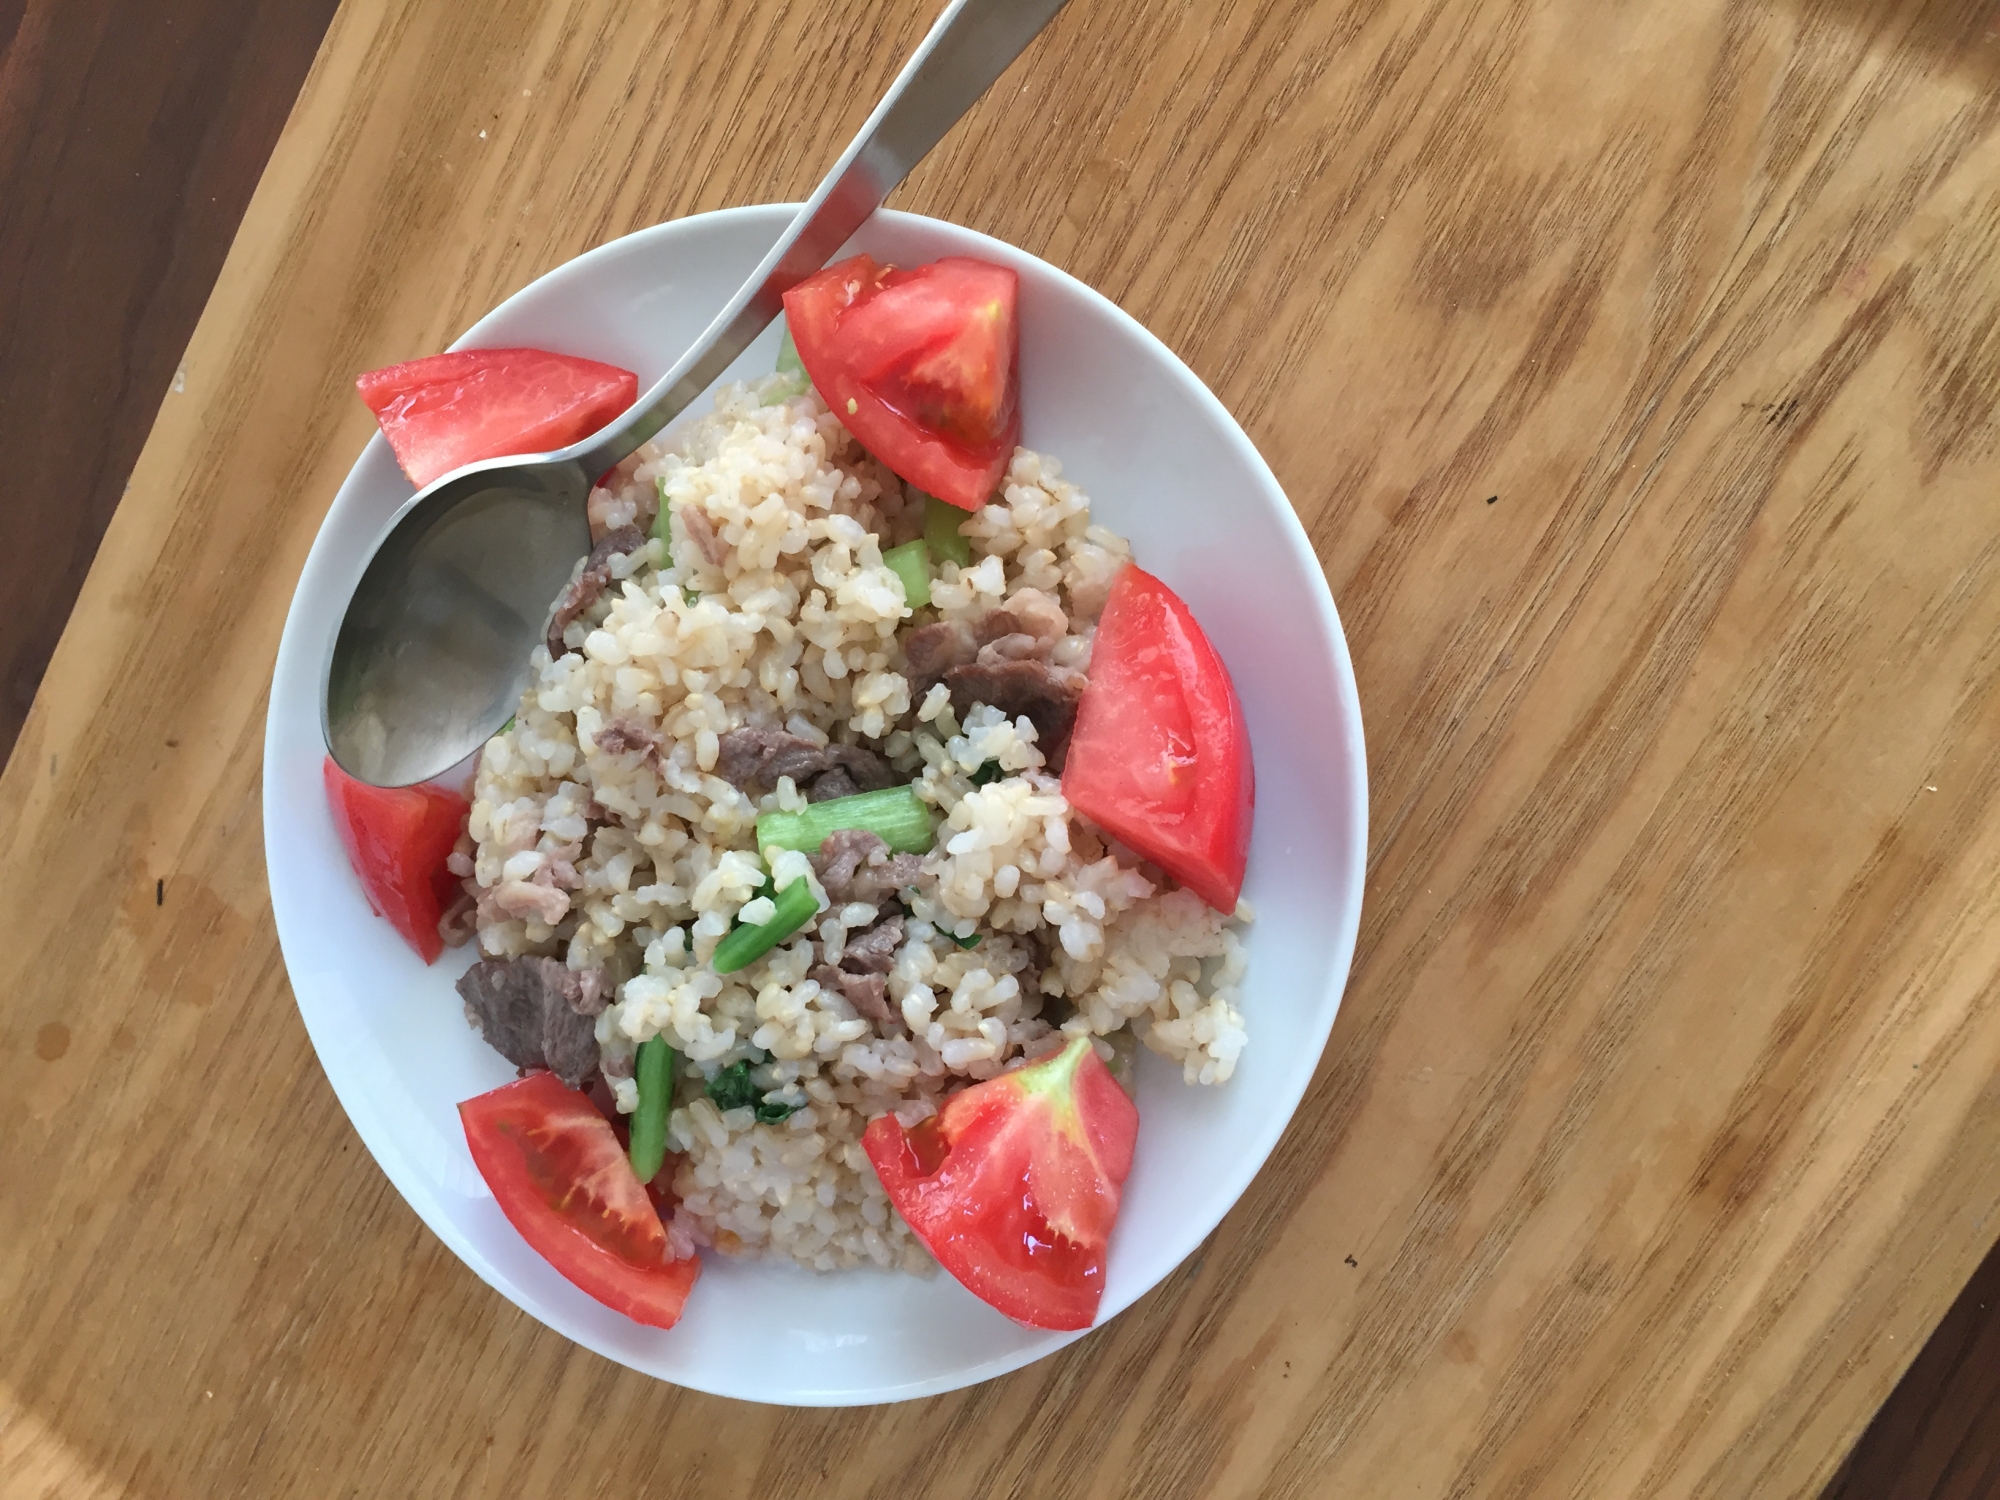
777	610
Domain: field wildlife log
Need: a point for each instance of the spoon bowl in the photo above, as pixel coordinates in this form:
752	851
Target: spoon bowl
433	653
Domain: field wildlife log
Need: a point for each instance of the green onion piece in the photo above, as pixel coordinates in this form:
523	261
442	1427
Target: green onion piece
894	815
655	1074
947	542
663	532
774	1111
508	725
789	362
796	382
971	942
663	525
796	905
911	562
986	773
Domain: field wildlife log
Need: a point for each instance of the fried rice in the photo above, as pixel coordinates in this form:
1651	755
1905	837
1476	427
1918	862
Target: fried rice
602	833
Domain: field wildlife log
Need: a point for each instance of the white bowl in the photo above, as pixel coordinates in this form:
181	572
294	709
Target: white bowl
1164	464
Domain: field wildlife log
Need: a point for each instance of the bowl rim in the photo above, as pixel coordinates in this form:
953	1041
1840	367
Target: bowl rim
300	637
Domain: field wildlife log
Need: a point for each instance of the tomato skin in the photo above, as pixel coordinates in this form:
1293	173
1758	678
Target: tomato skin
560	1177
448	410
1160	755
1014	1185
397	839
922	365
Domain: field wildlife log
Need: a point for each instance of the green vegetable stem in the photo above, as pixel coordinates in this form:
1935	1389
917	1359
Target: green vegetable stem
663	524
894	815
911	562
795	905
947	543
655	1077
663	531
789	362
789	365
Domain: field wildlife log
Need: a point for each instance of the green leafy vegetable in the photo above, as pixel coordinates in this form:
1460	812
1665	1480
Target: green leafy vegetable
731	1087
654	1072
947	542
796	905
911	562
894	815
987	772
965	942
507	726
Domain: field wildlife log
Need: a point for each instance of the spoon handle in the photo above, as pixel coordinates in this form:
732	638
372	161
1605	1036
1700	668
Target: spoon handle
964	52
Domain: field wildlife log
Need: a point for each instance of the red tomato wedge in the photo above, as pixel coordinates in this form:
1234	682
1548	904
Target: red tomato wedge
397	839
1014	1184
560	1177
1160	756
923	365
454	409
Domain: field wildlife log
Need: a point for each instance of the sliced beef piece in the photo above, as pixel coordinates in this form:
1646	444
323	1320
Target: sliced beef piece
1047	696
932	650
1020	646
753	759
592	993
874	951
569	1044
701	531
855	865
862	973
532	1011
1028	612
867	993
741	755
831	783
589	585
621	736
460	922
1026	628
868	770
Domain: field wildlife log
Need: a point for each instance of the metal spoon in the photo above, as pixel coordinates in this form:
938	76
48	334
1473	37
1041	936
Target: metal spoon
432	655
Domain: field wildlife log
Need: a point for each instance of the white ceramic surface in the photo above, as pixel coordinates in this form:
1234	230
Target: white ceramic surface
1165	464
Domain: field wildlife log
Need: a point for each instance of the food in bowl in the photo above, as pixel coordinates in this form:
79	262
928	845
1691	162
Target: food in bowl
785	858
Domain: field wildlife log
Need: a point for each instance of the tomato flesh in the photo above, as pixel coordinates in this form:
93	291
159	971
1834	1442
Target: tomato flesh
1014	1185
560	1177
449	410
922	365
398	839
1160	755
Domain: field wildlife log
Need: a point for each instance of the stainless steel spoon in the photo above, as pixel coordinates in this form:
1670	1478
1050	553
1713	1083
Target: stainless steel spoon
432	655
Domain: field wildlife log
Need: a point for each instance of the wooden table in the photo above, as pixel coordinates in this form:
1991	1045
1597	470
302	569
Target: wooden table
1634	370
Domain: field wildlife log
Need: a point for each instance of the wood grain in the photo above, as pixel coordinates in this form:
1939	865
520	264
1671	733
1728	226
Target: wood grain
1633	369
130	138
